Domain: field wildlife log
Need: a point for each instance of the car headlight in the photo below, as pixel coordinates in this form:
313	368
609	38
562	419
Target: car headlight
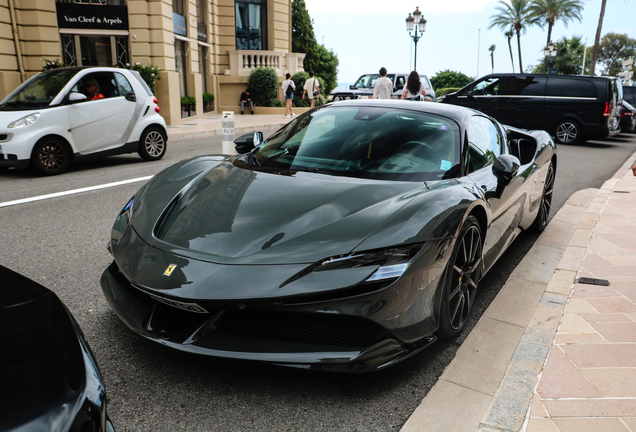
122	221
24	121
329	98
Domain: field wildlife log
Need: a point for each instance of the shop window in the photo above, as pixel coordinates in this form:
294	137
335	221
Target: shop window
251	19
96	51
68	50
180	48
96	2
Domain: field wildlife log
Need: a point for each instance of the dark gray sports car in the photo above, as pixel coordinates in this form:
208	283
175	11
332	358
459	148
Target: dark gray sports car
347	241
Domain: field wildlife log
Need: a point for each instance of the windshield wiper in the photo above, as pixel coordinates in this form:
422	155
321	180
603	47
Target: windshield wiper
317	170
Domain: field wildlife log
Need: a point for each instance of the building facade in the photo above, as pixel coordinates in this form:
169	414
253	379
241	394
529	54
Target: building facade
201	46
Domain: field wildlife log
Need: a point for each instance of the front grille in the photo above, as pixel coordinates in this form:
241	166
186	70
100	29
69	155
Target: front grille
314	329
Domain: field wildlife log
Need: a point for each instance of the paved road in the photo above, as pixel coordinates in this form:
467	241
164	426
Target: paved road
60	242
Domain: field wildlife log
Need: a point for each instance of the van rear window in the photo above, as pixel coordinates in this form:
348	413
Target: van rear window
566	87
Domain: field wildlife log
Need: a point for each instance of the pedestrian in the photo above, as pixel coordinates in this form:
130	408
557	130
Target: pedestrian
414	87
246	99
383	87
312	89
288	91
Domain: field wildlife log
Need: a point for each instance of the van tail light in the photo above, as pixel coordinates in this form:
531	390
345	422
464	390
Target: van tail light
627	114
608	109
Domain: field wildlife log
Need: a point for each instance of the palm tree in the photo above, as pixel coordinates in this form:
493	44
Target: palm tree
492	58
597	39
509	34
516	16
549	11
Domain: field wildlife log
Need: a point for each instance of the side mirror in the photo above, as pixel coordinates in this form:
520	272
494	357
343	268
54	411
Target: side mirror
76	97
469	93
505	168
130	96
352	87
246	143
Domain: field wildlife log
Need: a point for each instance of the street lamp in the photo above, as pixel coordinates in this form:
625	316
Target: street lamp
549	51
416	25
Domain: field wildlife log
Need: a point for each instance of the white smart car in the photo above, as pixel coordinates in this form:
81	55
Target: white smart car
69	114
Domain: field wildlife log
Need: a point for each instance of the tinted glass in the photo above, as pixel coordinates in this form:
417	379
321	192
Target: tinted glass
484	142
365	142
486	87
521	85
39	90
629	94
567	87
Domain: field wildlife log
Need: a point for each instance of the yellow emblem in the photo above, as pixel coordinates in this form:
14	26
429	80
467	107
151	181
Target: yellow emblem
170	269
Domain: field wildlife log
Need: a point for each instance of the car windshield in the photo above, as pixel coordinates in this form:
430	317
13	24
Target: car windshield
39	90
364	142
368	81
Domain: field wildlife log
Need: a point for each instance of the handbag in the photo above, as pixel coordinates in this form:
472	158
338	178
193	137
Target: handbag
313	86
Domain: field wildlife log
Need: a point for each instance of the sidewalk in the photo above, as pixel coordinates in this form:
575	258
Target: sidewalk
211	125
500	380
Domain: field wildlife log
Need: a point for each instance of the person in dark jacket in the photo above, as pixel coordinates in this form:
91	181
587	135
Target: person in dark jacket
246	99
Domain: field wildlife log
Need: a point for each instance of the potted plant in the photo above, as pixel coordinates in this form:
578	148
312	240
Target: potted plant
188	106
208	102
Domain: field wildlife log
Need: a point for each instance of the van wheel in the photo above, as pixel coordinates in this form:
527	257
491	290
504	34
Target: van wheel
152	144
567	132
51	156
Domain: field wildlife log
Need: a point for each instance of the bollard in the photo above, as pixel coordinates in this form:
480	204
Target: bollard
228	133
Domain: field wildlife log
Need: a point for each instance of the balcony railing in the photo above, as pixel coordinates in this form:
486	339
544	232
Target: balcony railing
242	62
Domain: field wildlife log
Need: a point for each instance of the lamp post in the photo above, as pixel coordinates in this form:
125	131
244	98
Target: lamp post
415	25
549	51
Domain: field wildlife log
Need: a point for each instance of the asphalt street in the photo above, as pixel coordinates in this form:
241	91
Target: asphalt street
60	243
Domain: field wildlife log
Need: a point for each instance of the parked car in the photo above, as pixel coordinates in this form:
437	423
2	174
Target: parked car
51	120
49	380
628	117
629	94
363	87
348	241
572	108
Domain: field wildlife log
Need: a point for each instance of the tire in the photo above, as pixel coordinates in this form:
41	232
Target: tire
567	132
152	144
50	156
541	221
461	279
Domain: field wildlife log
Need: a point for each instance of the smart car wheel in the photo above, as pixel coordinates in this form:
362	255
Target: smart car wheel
462	276
51	156
152	144
541	222
567	132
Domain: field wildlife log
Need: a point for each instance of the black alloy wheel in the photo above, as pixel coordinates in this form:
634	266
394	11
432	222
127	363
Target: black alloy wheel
541	222
461	280
567	132
51	156
152	144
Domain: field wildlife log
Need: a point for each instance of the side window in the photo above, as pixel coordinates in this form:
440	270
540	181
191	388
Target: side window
400	82
487	87
524	86
567	87
96	86
426	82
484	143
122	84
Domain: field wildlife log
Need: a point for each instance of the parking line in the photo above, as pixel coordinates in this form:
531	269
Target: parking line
74	191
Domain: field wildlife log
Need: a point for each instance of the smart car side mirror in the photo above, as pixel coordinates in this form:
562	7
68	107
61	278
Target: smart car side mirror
246	143
505	168
130	96
76	97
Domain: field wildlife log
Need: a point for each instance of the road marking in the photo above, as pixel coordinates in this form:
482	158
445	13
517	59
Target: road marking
73	191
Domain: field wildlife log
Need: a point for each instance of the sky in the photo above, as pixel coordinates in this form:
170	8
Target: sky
369	34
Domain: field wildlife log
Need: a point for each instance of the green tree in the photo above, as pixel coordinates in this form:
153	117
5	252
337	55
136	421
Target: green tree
569	58
613	49
548	11
448	78
263	82
509	34
597	39
492	49
515	15
320	60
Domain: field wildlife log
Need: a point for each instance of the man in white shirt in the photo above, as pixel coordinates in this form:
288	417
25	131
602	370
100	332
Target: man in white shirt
311	86
383	88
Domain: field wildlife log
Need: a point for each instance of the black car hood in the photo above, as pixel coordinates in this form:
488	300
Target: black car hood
46	370
231	215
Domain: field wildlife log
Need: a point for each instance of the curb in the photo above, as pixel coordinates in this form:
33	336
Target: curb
489	384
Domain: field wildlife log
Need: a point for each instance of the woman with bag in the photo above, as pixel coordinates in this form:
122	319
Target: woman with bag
288	91
414	87
312	89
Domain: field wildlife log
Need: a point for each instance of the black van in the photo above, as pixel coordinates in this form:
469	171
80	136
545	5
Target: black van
572	108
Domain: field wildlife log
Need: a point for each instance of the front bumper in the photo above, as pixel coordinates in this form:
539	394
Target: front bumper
305	335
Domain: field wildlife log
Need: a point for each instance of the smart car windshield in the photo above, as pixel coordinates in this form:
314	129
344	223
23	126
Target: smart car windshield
38	91
365	142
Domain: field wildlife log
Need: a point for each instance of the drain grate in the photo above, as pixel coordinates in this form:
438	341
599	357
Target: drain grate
593	281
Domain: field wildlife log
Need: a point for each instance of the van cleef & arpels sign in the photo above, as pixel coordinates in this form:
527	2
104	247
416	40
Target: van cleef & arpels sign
91	16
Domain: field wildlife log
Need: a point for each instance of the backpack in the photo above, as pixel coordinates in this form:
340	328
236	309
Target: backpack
290	91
